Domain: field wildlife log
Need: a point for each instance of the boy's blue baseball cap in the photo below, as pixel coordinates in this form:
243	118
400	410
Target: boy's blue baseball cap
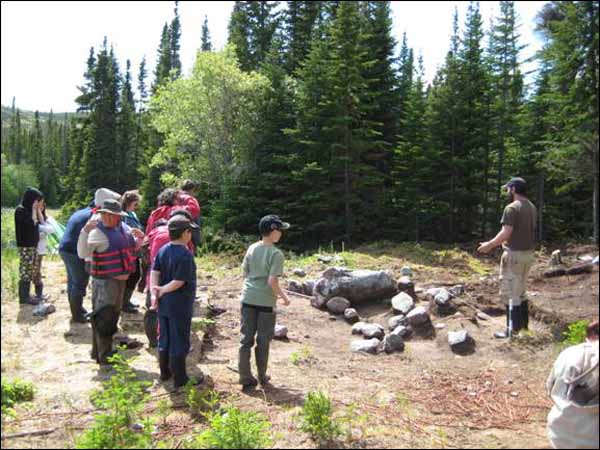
270	223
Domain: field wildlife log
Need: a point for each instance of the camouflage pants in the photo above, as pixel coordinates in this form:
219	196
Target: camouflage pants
30	265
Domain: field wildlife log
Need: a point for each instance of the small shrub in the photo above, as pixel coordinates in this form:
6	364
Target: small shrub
123	398
318	420
202	403
576	333
232	428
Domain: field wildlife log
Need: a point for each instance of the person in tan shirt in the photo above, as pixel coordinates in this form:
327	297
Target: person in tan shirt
517	238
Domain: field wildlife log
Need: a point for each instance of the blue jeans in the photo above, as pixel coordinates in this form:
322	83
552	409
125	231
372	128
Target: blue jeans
77	277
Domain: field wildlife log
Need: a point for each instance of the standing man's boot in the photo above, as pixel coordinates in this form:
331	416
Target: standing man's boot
177	366
525	314
163	362
24	297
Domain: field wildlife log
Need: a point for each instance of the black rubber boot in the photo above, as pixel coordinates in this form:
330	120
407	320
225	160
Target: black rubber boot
78	313
24	297
39	292
177	366
129	307
517	319
163	362
525	314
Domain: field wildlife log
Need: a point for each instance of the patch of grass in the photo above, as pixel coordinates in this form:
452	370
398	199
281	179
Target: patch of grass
10	271
303	357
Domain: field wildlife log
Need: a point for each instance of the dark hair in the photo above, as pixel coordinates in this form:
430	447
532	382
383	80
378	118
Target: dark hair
189	185
176	234
128	198
180	212
168	197
593	330
159	223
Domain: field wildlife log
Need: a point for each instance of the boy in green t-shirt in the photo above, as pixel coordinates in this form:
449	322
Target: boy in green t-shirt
262	266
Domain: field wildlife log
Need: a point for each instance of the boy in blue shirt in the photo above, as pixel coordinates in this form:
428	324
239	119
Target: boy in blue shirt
173	288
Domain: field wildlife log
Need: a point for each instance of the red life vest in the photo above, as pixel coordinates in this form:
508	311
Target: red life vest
119	258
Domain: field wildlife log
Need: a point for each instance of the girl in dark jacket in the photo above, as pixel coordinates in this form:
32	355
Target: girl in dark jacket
28	237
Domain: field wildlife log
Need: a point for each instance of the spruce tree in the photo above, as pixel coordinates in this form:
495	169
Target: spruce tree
206	44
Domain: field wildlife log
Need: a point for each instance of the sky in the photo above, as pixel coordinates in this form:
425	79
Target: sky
45	45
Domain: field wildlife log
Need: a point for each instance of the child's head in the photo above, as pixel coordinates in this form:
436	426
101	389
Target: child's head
593	331
270	227
180	228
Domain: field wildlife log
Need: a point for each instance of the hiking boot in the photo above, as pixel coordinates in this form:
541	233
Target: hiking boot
24	297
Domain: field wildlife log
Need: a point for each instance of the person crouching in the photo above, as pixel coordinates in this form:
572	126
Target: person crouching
111	244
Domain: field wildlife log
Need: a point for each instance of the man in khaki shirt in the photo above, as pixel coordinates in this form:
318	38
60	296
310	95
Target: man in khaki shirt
517	237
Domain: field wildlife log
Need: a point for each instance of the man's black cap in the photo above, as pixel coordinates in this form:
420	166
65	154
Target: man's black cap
519	184
270	223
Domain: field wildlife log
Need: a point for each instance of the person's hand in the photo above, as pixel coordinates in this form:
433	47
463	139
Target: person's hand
286	301
157	292
485	247
90	225
153	303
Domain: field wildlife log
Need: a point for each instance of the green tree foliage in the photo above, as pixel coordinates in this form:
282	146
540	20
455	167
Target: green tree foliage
206	44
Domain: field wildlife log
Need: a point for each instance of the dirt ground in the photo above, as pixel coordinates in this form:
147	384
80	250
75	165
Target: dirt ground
427	396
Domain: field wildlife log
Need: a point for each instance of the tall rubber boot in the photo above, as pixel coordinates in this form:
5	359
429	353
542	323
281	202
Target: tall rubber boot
177	366
525	314
24	297
163	362
78	313
129	307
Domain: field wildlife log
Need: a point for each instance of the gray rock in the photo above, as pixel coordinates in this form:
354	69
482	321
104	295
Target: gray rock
281	332
393	343
358	286
373	330
405	284
402	330
299	272
406	271
440	326
457	291
457	337
483	316
338	305
318	301
395	321
309	286
402	303
358	327
351	315
431	293
325	259
370	346
295	286
442	298
418	316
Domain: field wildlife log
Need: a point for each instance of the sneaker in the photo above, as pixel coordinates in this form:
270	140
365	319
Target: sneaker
501	334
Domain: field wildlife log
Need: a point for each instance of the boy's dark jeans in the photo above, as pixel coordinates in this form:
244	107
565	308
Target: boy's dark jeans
257	321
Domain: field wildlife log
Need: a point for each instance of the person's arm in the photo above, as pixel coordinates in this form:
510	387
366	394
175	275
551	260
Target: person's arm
154	281
89	241
501	238
274	283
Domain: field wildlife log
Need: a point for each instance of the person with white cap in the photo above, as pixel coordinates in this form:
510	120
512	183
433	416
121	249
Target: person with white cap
77	276
573	388
110	244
